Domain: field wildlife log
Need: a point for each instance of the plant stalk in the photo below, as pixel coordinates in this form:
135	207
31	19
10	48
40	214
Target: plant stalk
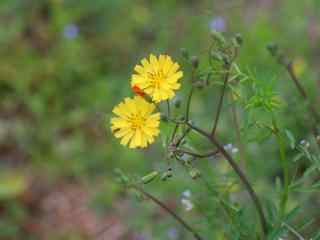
241	175
168	210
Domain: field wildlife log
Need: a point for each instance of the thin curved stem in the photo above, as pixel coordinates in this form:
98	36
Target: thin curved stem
225	83
239	172
197	155
168	210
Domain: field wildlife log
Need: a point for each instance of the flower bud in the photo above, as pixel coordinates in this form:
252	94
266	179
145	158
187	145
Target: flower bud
150	177
218	37
239	39
194	173
167	174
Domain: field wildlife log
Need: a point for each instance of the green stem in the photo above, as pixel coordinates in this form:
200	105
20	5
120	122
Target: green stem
285	169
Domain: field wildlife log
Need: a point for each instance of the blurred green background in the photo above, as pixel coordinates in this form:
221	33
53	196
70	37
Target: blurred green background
65	63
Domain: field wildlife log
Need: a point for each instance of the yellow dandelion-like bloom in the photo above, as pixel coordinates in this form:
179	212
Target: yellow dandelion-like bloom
136	124
157	77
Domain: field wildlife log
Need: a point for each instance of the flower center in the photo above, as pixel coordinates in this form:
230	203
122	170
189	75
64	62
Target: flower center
136	121
156	78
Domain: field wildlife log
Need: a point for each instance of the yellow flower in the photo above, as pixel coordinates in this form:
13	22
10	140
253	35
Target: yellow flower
157	77
136	124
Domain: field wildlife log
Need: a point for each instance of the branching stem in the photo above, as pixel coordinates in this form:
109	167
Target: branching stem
239	172
168	210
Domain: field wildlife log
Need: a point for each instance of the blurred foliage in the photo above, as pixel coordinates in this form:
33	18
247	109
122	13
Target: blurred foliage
64	64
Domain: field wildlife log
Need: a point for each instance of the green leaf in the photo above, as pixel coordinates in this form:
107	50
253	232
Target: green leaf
291	138
293	213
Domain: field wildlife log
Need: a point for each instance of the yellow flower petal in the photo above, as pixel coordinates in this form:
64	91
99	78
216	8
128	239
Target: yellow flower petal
136	124
157	77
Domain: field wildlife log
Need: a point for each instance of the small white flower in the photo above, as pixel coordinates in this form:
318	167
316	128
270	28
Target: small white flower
187	204
305	143
228	146
234	150
186	193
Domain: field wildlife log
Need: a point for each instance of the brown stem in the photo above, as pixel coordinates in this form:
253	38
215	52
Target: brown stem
225	83
168	210
197	155
239	172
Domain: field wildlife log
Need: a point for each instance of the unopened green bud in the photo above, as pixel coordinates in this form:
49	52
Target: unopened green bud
217	36
122	178
167	174
195	62
216	56
239	39
194	173
150	177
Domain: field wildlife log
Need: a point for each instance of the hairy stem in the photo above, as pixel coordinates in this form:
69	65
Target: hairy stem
241	175
168	210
